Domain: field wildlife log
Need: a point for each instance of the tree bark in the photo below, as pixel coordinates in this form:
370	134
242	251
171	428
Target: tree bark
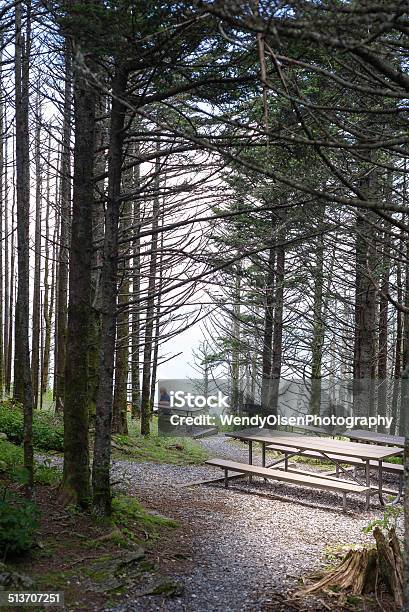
136	290
278	329
365	320
383	328
3	206
268	326
146	407
120	405
76	483
103	421
318	324
23	390
65	206
35	349
48	290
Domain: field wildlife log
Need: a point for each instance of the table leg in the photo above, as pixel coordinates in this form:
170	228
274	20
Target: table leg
380	484
263	456
250	457
368	483
226	479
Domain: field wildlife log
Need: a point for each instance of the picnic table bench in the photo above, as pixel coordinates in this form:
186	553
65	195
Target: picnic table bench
307	480
335	451
355	462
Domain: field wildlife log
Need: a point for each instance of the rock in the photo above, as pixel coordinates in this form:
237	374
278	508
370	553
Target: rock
3	436
10	580
114	573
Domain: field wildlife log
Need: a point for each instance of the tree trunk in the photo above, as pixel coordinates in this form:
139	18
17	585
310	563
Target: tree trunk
146	407
76	484
3	206
48	290
158	318
383	328
102	446
120	405
235	400
7	315
365	320
268	327
23	390
136	290
98	239
278	328
35	350
318	324
65	206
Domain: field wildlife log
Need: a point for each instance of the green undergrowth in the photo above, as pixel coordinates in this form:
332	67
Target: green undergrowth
11	466
157	449
48	433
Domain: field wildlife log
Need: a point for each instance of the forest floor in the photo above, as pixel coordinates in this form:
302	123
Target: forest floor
250	547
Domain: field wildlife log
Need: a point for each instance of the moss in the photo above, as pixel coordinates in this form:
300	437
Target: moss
156	448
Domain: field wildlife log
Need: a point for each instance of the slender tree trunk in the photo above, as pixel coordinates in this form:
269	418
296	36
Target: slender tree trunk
10	308
98	238
278	328
147	349
76	483
23	390
120	405
397	369
3	206
65	208
318	324
136	290
158	318
47	314
365	320
235	339
102	446
383	328
35	350
268	326
403	412
7	315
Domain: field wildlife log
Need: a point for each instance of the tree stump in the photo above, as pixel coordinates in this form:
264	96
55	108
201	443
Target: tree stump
362	570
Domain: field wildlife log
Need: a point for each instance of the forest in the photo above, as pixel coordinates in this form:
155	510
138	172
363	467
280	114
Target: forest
220	184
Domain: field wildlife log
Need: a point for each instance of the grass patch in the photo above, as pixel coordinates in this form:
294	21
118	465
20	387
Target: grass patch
157	449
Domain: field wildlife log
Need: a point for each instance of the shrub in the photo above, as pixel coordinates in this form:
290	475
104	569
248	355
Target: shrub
18	523
48	433
11	456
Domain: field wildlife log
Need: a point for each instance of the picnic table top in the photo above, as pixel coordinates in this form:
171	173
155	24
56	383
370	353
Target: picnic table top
373	436
322	445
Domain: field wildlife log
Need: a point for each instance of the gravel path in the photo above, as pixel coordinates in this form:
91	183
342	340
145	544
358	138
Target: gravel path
248	546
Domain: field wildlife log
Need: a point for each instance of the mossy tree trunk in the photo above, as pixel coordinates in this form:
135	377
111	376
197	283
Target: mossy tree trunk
76	482
109	279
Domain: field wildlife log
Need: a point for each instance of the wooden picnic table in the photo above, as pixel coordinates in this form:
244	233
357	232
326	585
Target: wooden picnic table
363	435
326	447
